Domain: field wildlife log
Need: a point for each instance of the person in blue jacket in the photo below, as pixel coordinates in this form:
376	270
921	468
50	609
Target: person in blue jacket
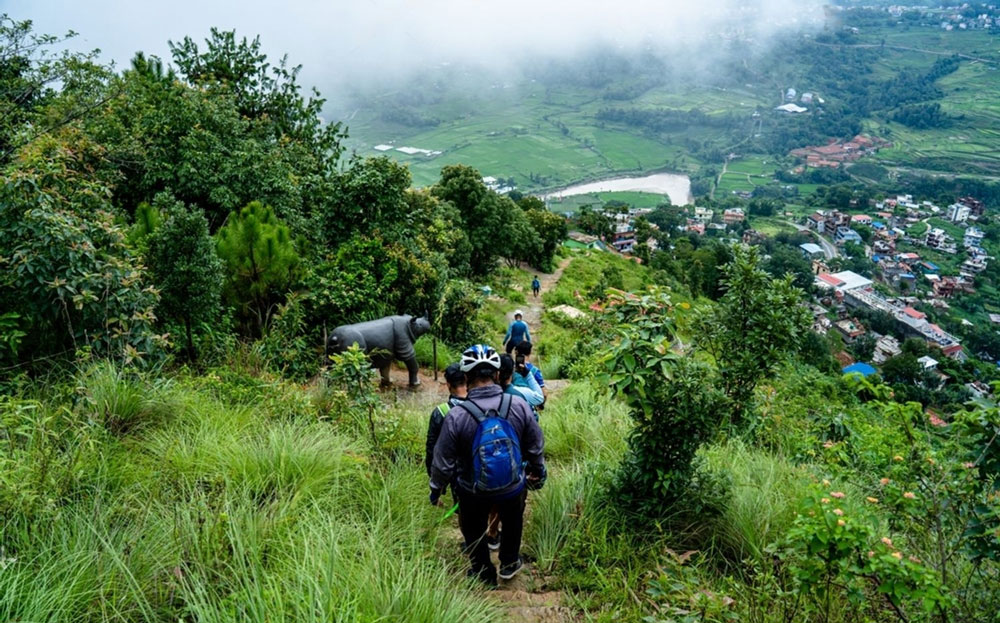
517	332
524	350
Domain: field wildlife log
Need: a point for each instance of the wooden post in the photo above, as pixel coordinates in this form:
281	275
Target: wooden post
434	347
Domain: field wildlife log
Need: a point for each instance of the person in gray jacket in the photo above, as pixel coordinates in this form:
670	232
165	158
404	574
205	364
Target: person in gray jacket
453	463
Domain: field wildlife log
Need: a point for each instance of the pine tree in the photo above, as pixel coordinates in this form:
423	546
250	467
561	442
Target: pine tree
187	270
260	260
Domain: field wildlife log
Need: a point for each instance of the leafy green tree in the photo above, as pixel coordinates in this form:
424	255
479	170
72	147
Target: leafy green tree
787	260
484	214
594	222
751	329
369	196
550	229
186	270
260	262
42	89
863	348
518	239
65	269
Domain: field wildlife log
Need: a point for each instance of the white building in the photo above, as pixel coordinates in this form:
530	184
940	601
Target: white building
936	238
958	213
973	237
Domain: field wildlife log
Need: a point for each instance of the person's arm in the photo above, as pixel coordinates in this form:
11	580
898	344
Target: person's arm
527	333
444	465
510	328
537	373
532	445
529	389
433	432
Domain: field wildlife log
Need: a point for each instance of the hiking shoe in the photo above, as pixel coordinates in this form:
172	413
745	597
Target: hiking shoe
493	542
509	571
488	577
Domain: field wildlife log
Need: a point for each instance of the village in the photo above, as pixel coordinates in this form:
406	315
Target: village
916	255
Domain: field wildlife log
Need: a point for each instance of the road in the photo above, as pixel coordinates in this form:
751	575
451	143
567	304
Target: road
829	250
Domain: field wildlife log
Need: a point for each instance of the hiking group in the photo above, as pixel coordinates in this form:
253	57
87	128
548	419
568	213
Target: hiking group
486	444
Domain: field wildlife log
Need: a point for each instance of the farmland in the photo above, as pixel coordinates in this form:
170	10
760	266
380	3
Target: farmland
546	134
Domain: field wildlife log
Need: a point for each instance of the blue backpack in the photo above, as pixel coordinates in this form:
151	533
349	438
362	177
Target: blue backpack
496	450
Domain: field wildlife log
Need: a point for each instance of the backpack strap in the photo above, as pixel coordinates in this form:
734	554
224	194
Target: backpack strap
504	409
475	411
444	408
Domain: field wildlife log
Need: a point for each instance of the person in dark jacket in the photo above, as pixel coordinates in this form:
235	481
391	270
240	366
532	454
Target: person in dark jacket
455	379
453	462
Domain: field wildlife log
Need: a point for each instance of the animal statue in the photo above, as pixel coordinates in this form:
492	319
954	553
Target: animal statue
383	340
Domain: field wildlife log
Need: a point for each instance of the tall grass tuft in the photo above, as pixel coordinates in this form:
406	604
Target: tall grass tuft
760	507
585	424
119	399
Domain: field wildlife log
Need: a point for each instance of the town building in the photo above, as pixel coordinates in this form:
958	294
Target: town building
703	214
886	347
811	250
861	219
850	329
842	281
976	207
846	234
623	238
733	215
973	237
958	213
936	238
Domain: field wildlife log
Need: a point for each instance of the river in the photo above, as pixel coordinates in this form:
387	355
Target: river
674	185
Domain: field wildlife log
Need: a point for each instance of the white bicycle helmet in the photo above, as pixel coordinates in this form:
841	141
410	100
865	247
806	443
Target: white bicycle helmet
518	312
480	354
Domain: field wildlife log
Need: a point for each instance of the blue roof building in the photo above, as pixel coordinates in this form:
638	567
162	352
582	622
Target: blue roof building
845	235
859	368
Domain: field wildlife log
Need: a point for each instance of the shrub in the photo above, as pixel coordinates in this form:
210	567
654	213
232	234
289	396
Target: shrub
673	406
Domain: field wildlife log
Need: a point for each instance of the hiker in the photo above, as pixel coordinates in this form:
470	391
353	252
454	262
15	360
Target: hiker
536	286
455	379
519	382
482	445
517	332
524	352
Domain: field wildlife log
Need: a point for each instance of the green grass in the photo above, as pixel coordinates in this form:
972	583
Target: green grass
220	511
585	272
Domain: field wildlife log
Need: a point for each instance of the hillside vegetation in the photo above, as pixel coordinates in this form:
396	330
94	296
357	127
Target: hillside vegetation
177	445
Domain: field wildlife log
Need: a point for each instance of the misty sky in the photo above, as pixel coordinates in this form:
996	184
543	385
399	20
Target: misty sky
343	40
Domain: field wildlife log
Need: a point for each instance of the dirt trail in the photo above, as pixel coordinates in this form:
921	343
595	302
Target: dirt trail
534	308
529	597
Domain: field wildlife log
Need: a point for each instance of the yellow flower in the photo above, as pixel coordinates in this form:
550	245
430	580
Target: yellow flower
825	500
930	460
909	495
897	458
838	512
872	500
837	494
826	483
887	541
841	522
883	481
897	555
914	559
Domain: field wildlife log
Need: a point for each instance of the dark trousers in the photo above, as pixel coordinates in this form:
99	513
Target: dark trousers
475	517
